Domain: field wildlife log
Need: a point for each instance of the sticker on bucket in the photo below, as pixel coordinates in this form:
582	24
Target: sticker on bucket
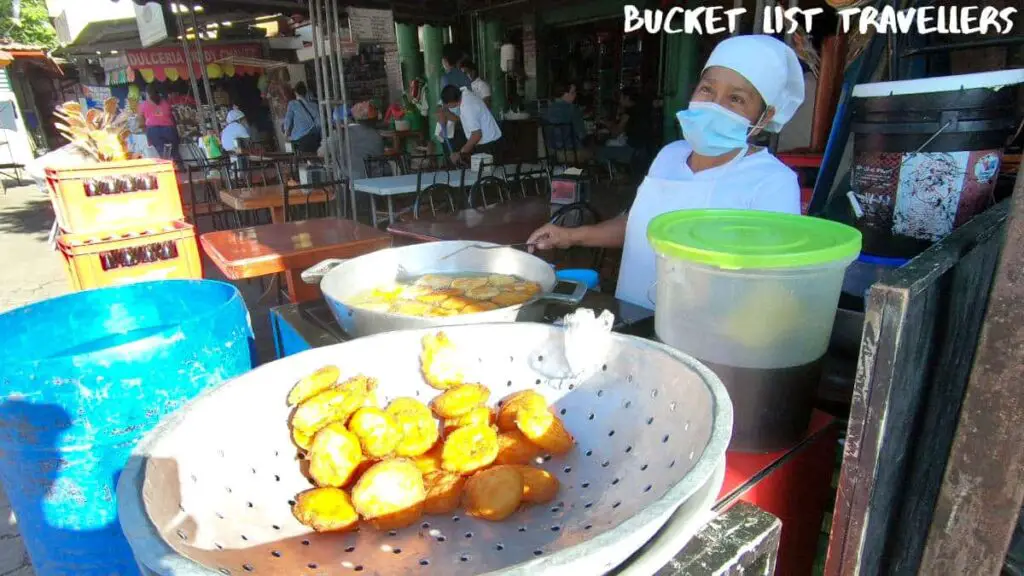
923	195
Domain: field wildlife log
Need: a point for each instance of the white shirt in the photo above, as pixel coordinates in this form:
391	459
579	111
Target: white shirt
474	115
230	135
755	182
481	88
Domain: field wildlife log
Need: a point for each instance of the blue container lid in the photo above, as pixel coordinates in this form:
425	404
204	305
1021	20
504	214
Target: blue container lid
588	277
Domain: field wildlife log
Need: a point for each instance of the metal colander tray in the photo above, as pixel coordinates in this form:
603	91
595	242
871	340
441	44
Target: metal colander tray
209	491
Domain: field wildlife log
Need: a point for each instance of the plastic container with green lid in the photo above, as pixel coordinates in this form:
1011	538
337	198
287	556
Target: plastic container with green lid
753	295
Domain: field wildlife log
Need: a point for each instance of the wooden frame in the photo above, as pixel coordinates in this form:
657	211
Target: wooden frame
921	327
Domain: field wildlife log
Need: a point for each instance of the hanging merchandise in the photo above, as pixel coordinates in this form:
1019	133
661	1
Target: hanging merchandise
134	92
508	57
262	83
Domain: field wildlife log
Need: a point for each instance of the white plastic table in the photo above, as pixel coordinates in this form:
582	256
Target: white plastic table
390	186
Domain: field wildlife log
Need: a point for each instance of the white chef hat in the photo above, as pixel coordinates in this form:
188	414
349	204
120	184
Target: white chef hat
234	115
771	66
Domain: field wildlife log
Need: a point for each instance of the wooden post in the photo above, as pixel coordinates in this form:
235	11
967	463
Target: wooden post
981	492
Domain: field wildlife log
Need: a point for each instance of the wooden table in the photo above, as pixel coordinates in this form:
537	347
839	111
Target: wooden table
290	248
507	223
272	197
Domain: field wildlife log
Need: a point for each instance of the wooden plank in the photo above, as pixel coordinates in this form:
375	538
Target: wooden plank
920	328
983	484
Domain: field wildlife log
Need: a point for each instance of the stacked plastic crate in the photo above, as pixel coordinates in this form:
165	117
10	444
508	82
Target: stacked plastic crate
122	222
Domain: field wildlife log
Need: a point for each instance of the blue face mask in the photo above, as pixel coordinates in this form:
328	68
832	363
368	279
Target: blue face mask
454	110
713	130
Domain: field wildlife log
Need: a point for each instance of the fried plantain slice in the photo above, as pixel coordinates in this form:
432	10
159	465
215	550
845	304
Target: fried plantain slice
430	460
545	430
469	449
444	492
417	424
479	415
513	403
390	494
482	293
481	306
511	298
469	282
514	448
501	280
493	494
313	384
440	362
377	431
539	486
334	455
325	510
332	405
435	281
460	400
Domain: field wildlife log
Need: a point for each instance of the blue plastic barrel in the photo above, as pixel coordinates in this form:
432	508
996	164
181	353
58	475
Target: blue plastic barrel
82	378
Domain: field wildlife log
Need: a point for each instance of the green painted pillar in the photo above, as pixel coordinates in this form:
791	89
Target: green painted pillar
432	46
494	36
682	70
409	53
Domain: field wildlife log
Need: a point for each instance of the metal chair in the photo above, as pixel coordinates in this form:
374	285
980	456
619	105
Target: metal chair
438	198
335	203
383	165
576	215
531	181
488	191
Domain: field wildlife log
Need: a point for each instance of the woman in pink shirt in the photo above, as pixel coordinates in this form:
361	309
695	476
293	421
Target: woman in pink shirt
158	120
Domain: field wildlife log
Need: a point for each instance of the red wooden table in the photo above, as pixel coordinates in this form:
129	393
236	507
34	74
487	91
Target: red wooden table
290	248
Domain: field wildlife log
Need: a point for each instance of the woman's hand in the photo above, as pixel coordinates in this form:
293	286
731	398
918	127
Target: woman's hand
550	236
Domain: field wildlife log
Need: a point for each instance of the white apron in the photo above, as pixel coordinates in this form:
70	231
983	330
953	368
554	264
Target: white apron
657	196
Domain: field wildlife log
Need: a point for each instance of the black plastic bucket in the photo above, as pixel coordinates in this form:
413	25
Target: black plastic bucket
927	155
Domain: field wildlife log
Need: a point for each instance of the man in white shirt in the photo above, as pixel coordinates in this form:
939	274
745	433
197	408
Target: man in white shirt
481	129
478	85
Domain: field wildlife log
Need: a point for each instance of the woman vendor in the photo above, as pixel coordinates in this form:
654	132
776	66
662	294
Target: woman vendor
749	84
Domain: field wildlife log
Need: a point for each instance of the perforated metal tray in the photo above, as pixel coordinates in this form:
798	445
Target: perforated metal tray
209	491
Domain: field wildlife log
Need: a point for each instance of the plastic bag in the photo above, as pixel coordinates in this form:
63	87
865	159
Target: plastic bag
587	340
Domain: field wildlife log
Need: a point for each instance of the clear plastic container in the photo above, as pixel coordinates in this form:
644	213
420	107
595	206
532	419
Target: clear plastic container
753	295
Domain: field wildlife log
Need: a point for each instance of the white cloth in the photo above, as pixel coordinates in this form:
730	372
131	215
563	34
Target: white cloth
771	66
481	88
755	182
230	134
474	115
234	115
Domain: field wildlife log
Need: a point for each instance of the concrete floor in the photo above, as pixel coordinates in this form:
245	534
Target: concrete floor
33	271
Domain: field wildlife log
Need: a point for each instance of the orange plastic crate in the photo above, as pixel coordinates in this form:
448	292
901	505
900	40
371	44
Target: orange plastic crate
113	195
161	252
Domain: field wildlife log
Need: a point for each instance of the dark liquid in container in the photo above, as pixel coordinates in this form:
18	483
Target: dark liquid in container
771	407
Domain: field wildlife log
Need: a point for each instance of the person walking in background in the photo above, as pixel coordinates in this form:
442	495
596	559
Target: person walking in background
478	85
302	122
158	122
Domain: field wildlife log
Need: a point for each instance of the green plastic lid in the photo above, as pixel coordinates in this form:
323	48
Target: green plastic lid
738	239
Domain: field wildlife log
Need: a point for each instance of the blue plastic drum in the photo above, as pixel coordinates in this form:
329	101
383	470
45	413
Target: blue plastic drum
82	378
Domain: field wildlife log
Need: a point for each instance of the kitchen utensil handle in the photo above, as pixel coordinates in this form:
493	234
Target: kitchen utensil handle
316	273
575	298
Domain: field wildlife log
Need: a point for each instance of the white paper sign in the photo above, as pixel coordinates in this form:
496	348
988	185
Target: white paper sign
371	25
150	19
